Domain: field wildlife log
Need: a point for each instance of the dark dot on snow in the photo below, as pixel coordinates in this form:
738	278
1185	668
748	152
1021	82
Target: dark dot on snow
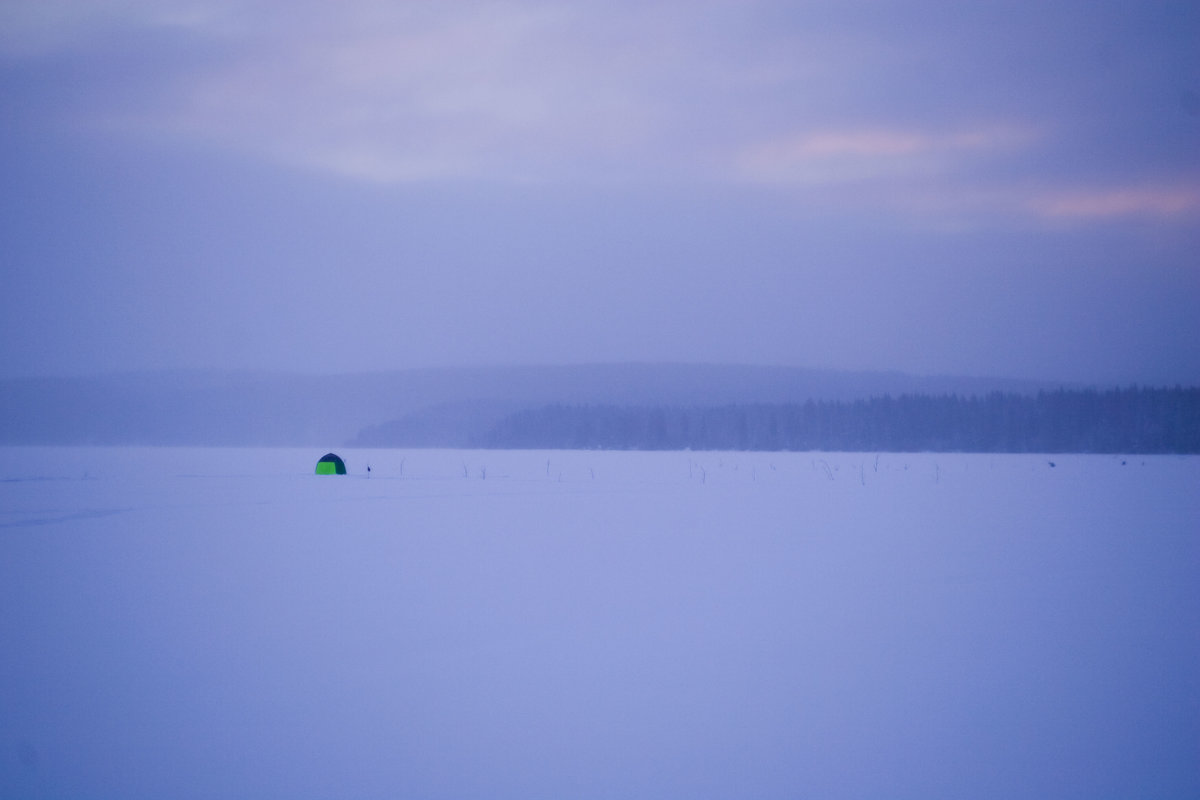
1051	463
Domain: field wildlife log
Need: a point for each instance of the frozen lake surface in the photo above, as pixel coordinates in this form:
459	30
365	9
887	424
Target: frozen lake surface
211	623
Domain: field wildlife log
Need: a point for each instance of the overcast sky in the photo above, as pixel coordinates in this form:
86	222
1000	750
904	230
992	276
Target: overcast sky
987	188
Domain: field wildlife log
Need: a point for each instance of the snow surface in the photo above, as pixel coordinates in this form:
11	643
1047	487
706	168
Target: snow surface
211	623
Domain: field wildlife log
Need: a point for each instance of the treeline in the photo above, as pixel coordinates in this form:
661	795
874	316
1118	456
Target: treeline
1132	420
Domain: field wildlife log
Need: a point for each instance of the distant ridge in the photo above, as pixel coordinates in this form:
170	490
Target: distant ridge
433	407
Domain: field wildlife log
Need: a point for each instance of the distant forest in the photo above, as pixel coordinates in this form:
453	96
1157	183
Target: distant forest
1132	420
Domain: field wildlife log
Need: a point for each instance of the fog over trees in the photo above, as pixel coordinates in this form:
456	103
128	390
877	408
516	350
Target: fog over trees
631	406
1131	420
452	407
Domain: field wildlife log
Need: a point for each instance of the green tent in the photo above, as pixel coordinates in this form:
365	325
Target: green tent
331	465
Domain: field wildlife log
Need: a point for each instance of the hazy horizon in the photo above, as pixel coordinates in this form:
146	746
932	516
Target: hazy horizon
316	372
997	190
999	381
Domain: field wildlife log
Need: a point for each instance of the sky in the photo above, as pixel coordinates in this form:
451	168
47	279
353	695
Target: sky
1006	189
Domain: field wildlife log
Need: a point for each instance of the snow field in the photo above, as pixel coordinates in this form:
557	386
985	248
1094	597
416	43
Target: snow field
220	623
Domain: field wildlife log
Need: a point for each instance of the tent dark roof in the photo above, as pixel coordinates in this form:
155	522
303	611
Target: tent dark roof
339	466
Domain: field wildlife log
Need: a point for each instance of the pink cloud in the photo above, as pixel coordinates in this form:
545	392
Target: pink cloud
853	154
1127	201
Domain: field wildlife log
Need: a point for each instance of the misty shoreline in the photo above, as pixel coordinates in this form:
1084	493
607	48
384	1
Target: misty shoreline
495	406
